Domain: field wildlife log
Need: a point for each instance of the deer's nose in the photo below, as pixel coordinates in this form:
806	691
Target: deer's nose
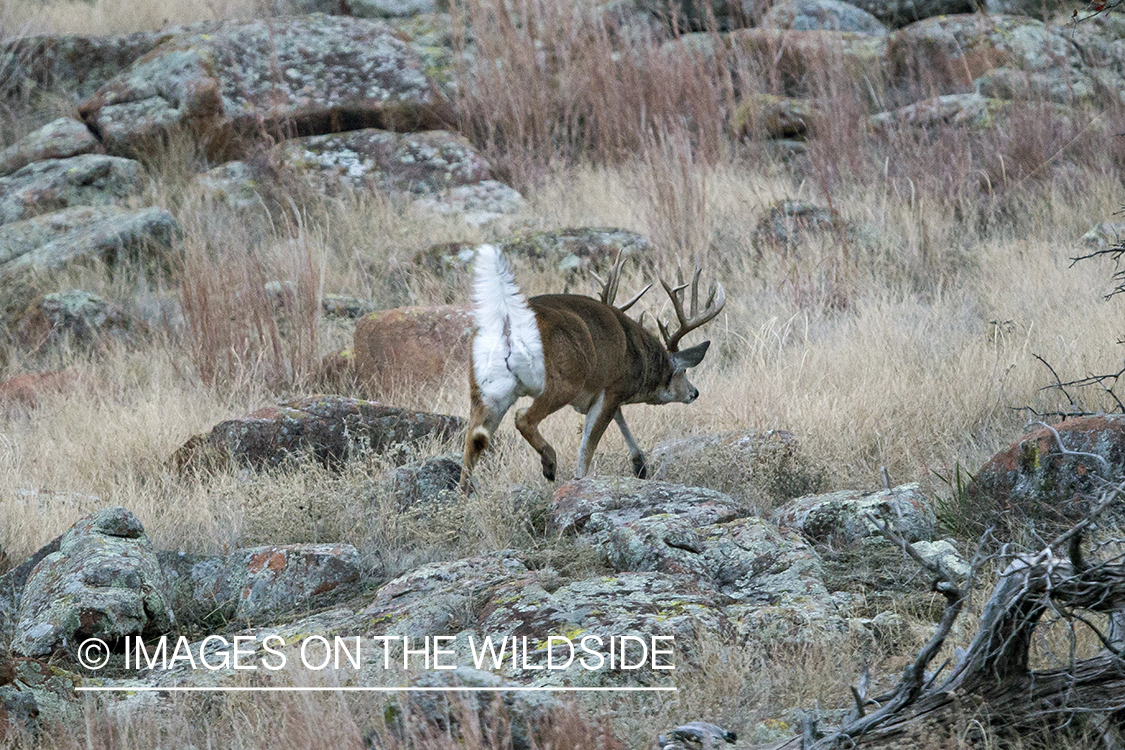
694	395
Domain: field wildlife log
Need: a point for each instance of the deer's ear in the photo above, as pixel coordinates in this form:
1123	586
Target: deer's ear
689	357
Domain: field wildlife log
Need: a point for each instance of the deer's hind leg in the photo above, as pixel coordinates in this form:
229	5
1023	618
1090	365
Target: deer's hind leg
483	421
528	419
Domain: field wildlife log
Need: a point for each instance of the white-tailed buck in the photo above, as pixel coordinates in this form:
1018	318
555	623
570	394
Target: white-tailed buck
569	349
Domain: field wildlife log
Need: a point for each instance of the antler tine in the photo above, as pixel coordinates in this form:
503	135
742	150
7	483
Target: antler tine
716	299
610	284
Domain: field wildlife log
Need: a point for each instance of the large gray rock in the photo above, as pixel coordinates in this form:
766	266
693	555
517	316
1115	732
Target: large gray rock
275	579
358	8
108	234
822	15
57	139
78	317
420	163
845	517
950	52
313	73
89	179
437	599
478	204
970	111
324	428
79	64
596	506
104	582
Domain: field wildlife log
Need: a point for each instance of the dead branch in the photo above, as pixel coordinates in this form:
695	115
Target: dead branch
991	681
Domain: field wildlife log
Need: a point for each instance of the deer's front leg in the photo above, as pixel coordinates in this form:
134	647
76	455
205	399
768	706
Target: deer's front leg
597	419
640	468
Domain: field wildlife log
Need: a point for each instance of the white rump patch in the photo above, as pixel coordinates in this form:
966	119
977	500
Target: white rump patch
507	351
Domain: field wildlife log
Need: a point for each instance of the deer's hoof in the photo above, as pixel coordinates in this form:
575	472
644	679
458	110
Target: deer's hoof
549	464
640	467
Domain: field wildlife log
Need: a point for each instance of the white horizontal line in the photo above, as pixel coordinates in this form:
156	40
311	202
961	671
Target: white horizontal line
292	689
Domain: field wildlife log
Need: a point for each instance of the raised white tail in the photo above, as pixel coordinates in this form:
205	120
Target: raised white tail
507	351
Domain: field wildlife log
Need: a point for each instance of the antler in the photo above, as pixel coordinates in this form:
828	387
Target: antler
609	284
716	298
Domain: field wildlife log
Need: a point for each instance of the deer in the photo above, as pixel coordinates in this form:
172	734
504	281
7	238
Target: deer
570	349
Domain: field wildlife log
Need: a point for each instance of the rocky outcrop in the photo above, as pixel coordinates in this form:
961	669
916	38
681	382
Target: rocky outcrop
86	180
58	139
411	345
87	233
951	52
845	517
423	485
1032	480
437	599
420	163
313	74
275	579
103	582
766	115
822	15
595	506
77	317
322	428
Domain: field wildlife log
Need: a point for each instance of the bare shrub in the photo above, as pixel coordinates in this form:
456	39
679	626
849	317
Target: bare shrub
550	84
236	328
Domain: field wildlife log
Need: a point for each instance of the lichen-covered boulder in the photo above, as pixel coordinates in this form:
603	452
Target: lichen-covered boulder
842	518
438	598
1104	234
421	163
1032	480
313	73
822	15
75	316
412	345
423	484
78	64
85	180
747	560
58	139
950	52
595	506
322	428
773	116
274	579
12	584
971	111
103	582
87	233
34	695
629	604
357	8
797	55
